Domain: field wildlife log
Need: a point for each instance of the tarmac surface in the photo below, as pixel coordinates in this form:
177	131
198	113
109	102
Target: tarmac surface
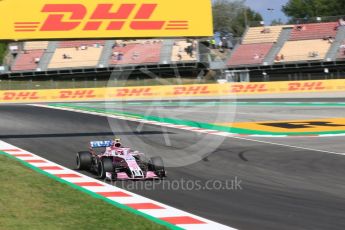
277	183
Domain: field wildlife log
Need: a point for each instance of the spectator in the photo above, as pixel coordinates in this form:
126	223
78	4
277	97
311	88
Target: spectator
189	50
115	54
114	45
179	56
282	57
266	30
36	60
341	22
120	56
220	44
313	54
213	43
225	43
300	27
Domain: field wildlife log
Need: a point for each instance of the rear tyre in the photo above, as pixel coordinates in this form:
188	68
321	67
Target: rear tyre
157	166
84	160
105	165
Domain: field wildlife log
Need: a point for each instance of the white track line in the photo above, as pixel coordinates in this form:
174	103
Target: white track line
289	146
199	110
191	129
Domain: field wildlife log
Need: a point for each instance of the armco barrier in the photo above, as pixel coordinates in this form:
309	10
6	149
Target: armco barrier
171	92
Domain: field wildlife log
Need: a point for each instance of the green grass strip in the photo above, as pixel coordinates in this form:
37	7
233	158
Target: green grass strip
102	215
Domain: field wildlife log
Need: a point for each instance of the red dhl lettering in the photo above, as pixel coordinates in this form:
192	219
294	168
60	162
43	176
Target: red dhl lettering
306	86
67	17
72	94
189	90
250	88
134	92
9	96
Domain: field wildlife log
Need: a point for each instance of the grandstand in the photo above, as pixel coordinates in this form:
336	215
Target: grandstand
30	56
80	43
75	58
27	60
314	31
309	45
304	50
180	51
40	45
306	42
137	52
250	54
88	54
266	34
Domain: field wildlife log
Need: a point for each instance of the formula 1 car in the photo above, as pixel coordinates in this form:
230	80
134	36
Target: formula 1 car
114	162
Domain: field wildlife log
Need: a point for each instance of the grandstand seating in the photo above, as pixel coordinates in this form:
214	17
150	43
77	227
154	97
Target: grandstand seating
179	49
314	31
304	50
80	43
75	58
268	34
136	52
307	42
39	45
27	60
250	54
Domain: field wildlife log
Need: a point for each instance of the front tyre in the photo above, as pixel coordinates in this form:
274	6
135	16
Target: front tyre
84	160
157	166
105	165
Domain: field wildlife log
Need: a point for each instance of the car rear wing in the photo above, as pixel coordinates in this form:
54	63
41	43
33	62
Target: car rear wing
100	144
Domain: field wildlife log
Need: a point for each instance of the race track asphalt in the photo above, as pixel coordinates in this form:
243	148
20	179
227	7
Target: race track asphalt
282	187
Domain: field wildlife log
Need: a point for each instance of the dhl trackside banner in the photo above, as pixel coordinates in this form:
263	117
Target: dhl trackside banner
170	92
62	19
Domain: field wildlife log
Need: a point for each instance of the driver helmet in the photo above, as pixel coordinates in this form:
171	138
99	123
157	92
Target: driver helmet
117	143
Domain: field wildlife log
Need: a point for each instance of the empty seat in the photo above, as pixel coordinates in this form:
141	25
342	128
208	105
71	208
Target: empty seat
314	31
136	52
37	45
304	50
268	34
27	60
73	58
79	43
250	54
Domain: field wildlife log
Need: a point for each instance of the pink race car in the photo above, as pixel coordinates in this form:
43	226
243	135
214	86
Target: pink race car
114	162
